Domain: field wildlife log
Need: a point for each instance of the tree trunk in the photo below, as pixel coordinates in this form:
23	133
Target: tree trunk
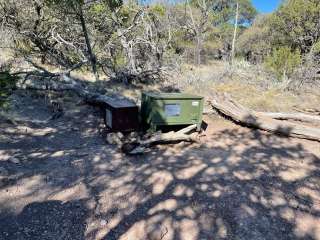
235	34
197	35
92	57
198	49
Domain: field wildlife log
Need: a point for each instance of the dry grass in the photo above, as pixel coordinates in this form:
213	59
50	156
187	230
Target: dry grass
249	84
5	55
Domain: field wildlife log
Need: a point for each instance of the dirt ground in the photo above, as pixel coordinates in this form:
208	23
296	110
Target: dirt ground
65	182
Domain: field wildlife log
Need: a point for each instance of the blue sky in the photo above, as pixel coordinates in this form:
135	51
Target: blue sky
263	6
266	6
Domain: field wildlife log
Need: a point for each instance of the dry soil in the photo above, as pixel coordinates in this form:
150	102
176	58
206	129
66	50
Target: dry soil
60	180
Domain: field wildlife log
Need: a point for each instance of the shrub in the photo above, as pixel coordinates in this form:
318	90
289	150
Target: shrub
283	62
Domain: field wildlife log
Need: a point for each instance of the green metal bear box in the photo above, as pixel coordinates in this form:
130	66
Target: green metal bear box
167	109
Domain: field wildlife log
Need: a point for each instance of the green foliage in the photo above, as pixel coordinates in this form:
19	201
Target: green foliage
255	42
113	4
76	4
125	13
64	3
128	34
247	11
158	9
97	8
316	47
296	24
119	61
283	61
225	9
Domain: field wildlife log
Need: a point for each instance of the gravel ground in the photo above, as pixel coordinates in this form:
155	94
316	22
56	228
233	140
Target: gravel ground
60	180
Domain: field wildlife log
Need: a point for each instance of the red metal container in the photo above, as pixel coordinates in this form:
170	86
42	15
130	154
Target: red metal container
122	115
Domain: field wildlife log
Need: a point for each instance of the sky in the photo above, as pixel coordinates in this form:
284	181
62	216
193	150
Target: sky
266	6
263	6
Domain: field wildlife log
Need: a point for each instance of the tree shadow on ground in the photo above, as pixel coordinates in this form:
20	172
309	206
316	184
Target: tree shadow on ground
237	184
254	187
46	220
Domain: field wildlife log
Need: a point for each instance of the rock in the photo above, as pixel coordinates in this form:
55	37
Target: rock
128	147
14	160
138	150
112	138
133	135
103	223
120	135
133	140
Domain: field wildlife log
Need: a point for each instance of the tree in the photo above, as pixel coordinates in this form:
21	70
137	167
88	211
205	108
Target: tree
26	22
55	30
197	23
226	9
296	24
254	44
240	13
76	8
105	33
211	23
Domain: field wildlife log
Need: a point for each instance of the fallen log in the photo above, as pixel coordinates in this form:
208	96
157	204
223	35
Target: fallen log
60	81
238	113
142	146
308	110
63	82
167	138
291	116
311	117
187	129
